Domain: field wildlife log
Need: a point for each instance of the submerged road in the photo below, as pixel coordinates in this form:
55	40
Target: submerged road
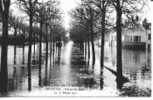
70	76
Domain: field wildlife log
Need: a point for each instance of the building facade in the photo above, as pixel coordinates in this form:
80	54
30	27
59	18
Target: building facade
135	38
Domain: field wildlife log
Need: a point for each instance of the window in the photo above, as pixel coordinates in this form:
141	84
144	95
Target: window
149	37
137	39
131	38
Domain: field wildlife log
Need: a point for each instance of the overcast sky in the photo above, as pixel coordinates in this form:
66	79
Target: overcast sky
68	5
65	5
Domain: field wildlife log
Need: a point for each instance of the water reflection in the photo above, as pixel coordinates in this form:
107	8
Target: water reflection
135	67
67	66
134	64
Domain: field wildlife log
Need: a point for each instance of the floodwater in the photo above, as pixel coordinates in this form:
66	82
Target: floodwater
136	67
70	70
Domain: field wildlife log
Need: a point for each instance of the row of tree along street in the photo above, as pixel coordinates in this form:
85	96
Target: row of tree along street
95	18
45	26
92	19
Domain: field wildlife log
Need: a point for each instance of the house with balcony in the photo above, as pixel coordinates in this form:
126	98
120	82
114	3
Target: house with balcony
133	37
136	37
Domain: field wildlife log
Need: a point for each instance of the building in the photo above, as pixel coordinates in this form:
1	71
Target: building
134	37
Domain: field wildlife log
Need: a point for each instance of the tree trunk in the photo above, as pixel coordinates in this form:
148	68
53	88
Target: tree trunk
50	53
40	53
50	57
59	51
15	34
46	66
23	49
93	48
4	52
29	53
14	54
34	45
119	45
92	38
51	47
85	51
15	31
53	54
102	48
88	52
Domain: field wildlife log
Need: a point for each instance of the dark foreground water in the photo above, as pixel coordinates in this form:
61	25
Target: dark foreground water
68	74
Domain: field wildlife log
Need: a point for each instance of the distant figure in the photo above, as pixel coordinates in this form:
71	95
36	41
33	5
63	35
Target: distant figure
59	46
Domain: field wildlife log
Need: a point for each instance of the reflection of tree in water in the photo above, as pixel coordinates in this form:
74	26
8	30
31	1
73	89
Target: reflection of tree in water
17	80
23	55
13	81
136	57
88	82
80	64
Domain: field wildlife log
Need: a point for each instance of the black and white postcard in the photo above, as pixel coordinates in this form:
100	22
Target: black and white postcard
76	48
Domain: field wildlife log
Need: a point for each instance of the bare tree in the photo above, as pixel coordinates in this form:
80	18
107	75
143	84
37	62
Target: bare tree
89	14
123	7
4	11
102	7
29	6
40	18
80	20
45	12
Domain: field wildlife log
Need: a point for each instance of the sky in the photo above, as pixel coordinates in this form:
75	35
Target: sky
67	5
148	10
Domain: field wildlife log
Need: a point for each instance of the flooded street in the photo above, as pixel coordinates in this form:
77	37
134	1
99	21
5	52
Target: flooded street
69	70
89	48
136	67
